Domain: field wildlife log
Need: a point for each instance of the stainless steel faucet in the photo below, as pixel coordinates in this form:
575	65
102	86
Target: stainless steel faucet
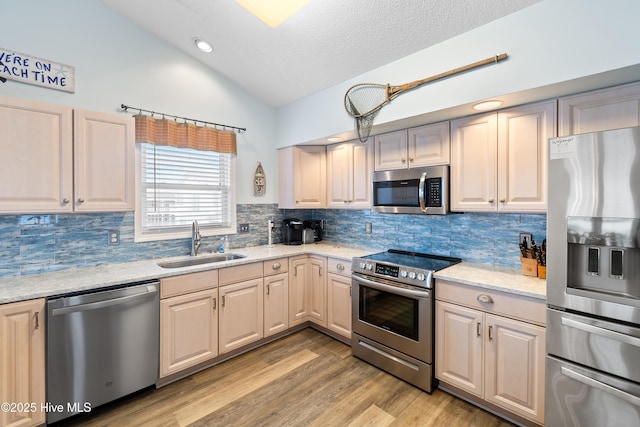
196	238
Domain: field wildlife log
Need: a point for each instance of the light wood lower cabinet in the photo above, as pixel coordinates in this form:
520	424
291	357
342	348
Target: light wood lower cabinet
339	297
188	321
241	305
308	290
241	314
493	357
22	362
188	330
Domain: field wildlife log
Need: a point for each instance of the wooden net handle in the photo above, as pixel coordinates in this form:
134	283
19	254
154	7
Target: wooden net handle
393	91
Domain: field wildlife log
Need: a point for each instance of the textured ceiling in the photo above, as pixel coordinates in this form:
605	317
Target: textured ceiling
325	43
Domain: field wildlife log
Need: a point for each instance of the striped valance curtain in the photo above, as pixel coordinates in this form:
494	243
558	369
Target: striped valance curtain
183	135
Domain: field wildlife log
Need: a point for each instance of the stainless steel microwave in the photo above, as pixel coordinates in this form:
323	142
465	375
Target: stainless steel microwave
412	191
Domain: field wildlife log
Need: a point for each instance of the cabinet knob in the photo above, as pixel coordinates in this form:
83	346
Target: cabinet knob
484	298
276	266
80	200
502	200
491	200
403	160
410	159
340	267
65	201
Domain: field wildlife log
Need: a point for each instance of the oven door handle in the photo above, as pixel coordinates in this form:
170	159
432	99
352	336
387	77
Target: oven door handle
393	289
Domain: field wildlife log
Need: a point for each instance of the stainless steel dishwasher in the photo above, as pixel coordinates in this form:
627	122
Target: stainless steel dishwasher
101	346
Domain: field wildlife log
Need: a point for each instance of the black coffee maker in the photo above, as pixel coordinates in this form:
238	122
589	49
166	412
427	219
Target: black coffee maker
292	229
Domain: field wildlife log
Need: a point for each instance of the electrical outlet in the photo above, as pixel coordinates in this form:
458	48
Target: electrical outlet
528	236
244	228
113	237
368	228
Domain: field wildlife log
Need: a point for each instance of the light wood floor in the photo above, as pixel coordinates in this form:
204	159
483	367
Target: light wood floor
305	379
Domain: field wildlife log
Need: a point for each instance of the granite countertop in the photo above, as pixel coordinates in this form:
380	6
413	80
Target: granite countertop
496	278
84	279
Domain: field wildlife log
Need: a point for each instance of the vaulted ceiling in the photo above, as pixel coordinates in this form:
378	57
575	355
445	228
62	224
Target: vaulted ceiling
325	43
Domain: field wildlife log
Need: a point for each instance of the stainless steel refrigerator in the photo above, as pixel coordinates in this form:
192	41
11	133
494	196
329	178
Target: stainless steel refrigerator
593	280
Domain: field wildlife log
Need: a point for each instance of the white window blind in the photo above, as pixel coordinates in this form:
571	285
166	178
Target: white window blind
180	185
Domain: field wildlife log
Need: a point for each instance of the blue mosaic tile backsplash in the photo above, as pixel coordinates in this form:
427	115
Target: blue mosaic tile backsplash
40	243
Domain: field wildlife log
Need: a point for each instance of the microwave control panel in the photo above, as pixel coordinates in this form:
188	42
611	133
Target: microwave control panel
434	192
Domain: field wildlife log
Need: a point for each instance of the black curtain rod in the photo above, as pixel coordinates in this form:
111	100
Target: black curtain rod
126	107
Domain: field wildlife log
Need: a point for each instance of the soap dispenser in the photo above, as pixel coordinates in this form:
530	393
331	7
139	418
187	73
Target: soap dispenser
221	246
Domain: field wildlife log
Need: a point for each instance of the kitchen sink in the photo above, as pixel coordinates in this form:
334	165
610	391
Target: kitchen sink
200	260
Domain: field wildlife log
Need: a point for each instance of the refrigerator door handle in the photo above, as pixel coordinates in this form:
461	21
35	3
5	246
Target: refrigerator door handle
606	333
600	386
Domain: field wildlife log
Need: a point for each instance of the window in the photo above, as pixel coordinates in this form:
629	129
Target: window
176	186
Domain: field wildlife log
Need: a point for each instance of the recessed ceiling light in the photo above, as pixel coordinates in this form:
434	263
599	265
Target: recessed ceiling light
273	13
487	105
203	45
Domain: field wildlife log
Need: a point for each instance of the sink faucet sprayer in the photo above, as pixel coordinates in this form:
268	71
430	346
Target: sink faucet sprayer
196	238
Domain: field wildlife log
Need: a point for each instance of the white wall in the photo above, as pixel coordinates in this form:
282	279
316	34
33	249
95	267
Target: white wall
550	42
116	63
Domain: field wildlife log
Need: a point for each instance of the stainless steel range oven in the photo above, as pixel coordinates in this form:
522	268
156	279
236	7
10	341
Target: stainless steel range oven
393	313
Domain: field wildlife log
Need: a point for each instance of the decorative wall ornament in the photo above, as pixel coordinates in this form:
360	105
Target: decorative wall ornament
259	181
36	71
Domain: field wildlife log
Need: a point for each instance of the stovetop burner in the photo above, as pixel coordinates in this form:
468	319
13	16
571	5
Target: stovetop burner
413	259
412	268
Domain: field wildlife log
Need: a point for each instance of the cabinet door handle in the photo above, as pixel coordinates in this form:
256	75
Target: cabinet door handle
37	320
478	329
340	266
214	303
80	200
484	298
267	289
403	160
295	270
276	266
502	200
490	332
320	272
491	200
223	300
410	159
65	200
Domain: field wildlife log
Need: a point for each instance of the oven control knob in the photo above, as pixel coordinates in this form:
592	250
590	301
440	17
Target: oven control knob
412	275
421	277
363	265
369	266
403	273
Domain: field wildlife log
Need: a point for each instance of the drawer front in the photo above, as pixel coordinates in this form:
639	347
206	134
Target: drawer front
187	283
492	301
275	266
240	273
339	266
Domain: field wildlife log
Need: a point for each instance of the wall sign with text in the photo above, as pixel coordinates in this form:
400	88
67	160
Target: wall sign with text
37	71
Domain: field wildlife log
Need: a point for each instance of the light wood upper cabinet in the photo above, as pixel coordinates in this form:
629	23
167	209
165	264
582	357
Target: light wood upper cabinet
349	167
302	181
421	146
611	108
492	345
54	165
36	166
104	162
499	160
22	361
